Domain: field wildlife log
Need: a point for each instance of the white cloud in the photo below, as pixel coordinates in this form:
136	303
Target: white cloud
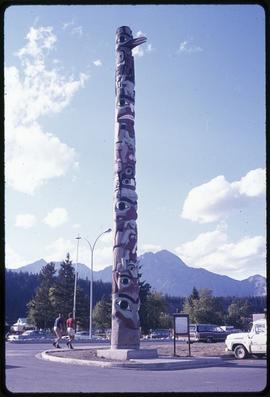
148	248
215	252
139	50
103	257
58	249
97	62
188	47
13	259
57	217
25	221
72	29
38	39
32	155
217	198
253	184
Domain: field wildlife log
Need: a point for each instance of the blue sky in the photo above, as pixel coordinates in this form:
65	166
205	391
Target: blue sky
200	132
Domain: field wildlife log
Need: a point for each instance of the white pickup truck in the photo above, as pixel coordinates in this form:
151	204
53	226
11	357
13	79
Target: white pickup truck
245	343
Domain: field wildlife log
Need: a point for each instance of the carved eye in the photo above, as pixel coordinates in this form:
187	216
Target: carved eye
125	281
122	205
128	171
122	39
124	304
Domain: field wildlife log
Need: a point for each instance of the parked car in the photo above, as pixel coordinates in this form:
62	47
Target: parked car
21	325
207	333
246	343
230	329
160	334
36	334
30	334
82	335
13	337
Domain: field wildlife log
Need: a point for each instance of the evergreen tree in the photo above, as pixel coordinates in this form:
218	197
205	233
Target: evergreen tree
82	309
19	289
100	289
190	302
102	313
145	292
205	309
62	294
40	309
195	294
22	288
165	320
174	304
239	313
155	307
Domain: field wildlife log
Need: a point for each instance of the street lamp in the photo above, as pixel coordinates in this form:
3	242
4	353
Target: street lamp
75	282
92	247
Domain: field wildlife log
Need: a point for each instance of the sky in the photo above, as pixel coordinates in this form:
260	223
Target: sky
200	133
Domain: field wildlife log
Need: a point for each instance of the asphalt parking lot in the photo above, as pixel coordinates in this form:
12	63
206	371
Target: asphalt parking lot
25	373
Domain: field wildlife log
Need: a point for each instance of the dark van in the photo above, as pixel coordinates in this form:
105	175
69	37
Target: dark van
207	333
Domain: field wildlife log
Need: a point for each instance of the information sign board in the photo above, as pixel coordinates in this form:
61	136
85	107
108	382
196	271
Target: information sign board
181	325
181	328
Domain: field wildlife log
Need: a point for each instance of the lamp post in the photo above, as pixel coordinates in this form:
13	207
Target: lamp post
92	247
75	282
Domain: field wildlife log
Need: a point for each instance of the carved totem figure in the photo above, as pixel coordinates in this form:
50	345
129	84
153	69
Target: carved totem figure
125	283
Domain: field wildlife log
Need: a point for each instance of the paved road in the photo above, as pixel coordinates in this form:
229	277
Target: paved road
25	373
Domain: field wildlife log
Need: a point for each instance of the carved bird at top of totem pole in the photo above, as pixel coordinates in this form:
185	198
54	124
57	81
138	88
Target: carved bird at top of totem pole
125	39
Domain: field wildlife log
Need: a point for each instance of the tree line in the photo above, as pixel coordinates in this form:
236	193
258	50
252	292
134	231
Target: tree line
41	297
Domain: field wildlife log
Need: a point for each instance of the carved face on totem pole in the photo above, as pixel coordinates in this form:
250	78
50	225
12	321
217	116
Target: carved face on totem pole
125	286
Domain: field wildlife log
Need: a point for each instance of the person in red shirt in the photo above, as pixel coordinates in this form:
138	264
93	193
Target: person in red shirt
70	323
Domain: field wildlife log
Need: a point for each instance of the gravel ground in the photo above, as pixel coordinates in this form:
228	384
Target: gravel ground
165	350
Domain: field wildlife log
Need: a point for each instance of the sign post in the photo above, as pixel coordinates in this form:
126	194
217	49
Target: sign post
181	328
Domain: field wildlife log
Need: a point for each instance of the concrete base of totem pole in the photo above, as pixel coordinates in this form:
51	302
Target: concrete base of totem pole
127	354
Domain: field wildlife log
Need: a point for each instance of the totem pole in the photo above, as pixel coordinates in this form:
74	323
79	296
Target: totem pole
125	283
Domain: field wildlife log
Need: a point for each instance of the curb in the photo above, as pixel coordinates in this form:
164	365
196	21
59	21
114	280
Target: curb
138	364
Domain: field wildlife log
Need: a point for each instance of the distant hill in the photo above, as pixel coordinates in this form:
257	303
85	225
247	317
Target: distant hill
35	268
167	273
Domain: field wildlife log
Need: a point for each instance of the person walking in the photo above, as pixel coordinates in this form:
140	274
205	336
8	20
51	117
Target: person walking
59	329
70	323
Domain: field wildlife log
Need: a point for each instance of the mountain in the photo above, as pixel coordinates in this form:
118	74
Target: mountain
259	283
167	273
35	267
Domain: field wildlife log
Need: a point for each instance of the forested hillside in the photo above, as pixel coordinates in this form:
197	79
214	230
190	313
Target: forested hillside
24	291
21	287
